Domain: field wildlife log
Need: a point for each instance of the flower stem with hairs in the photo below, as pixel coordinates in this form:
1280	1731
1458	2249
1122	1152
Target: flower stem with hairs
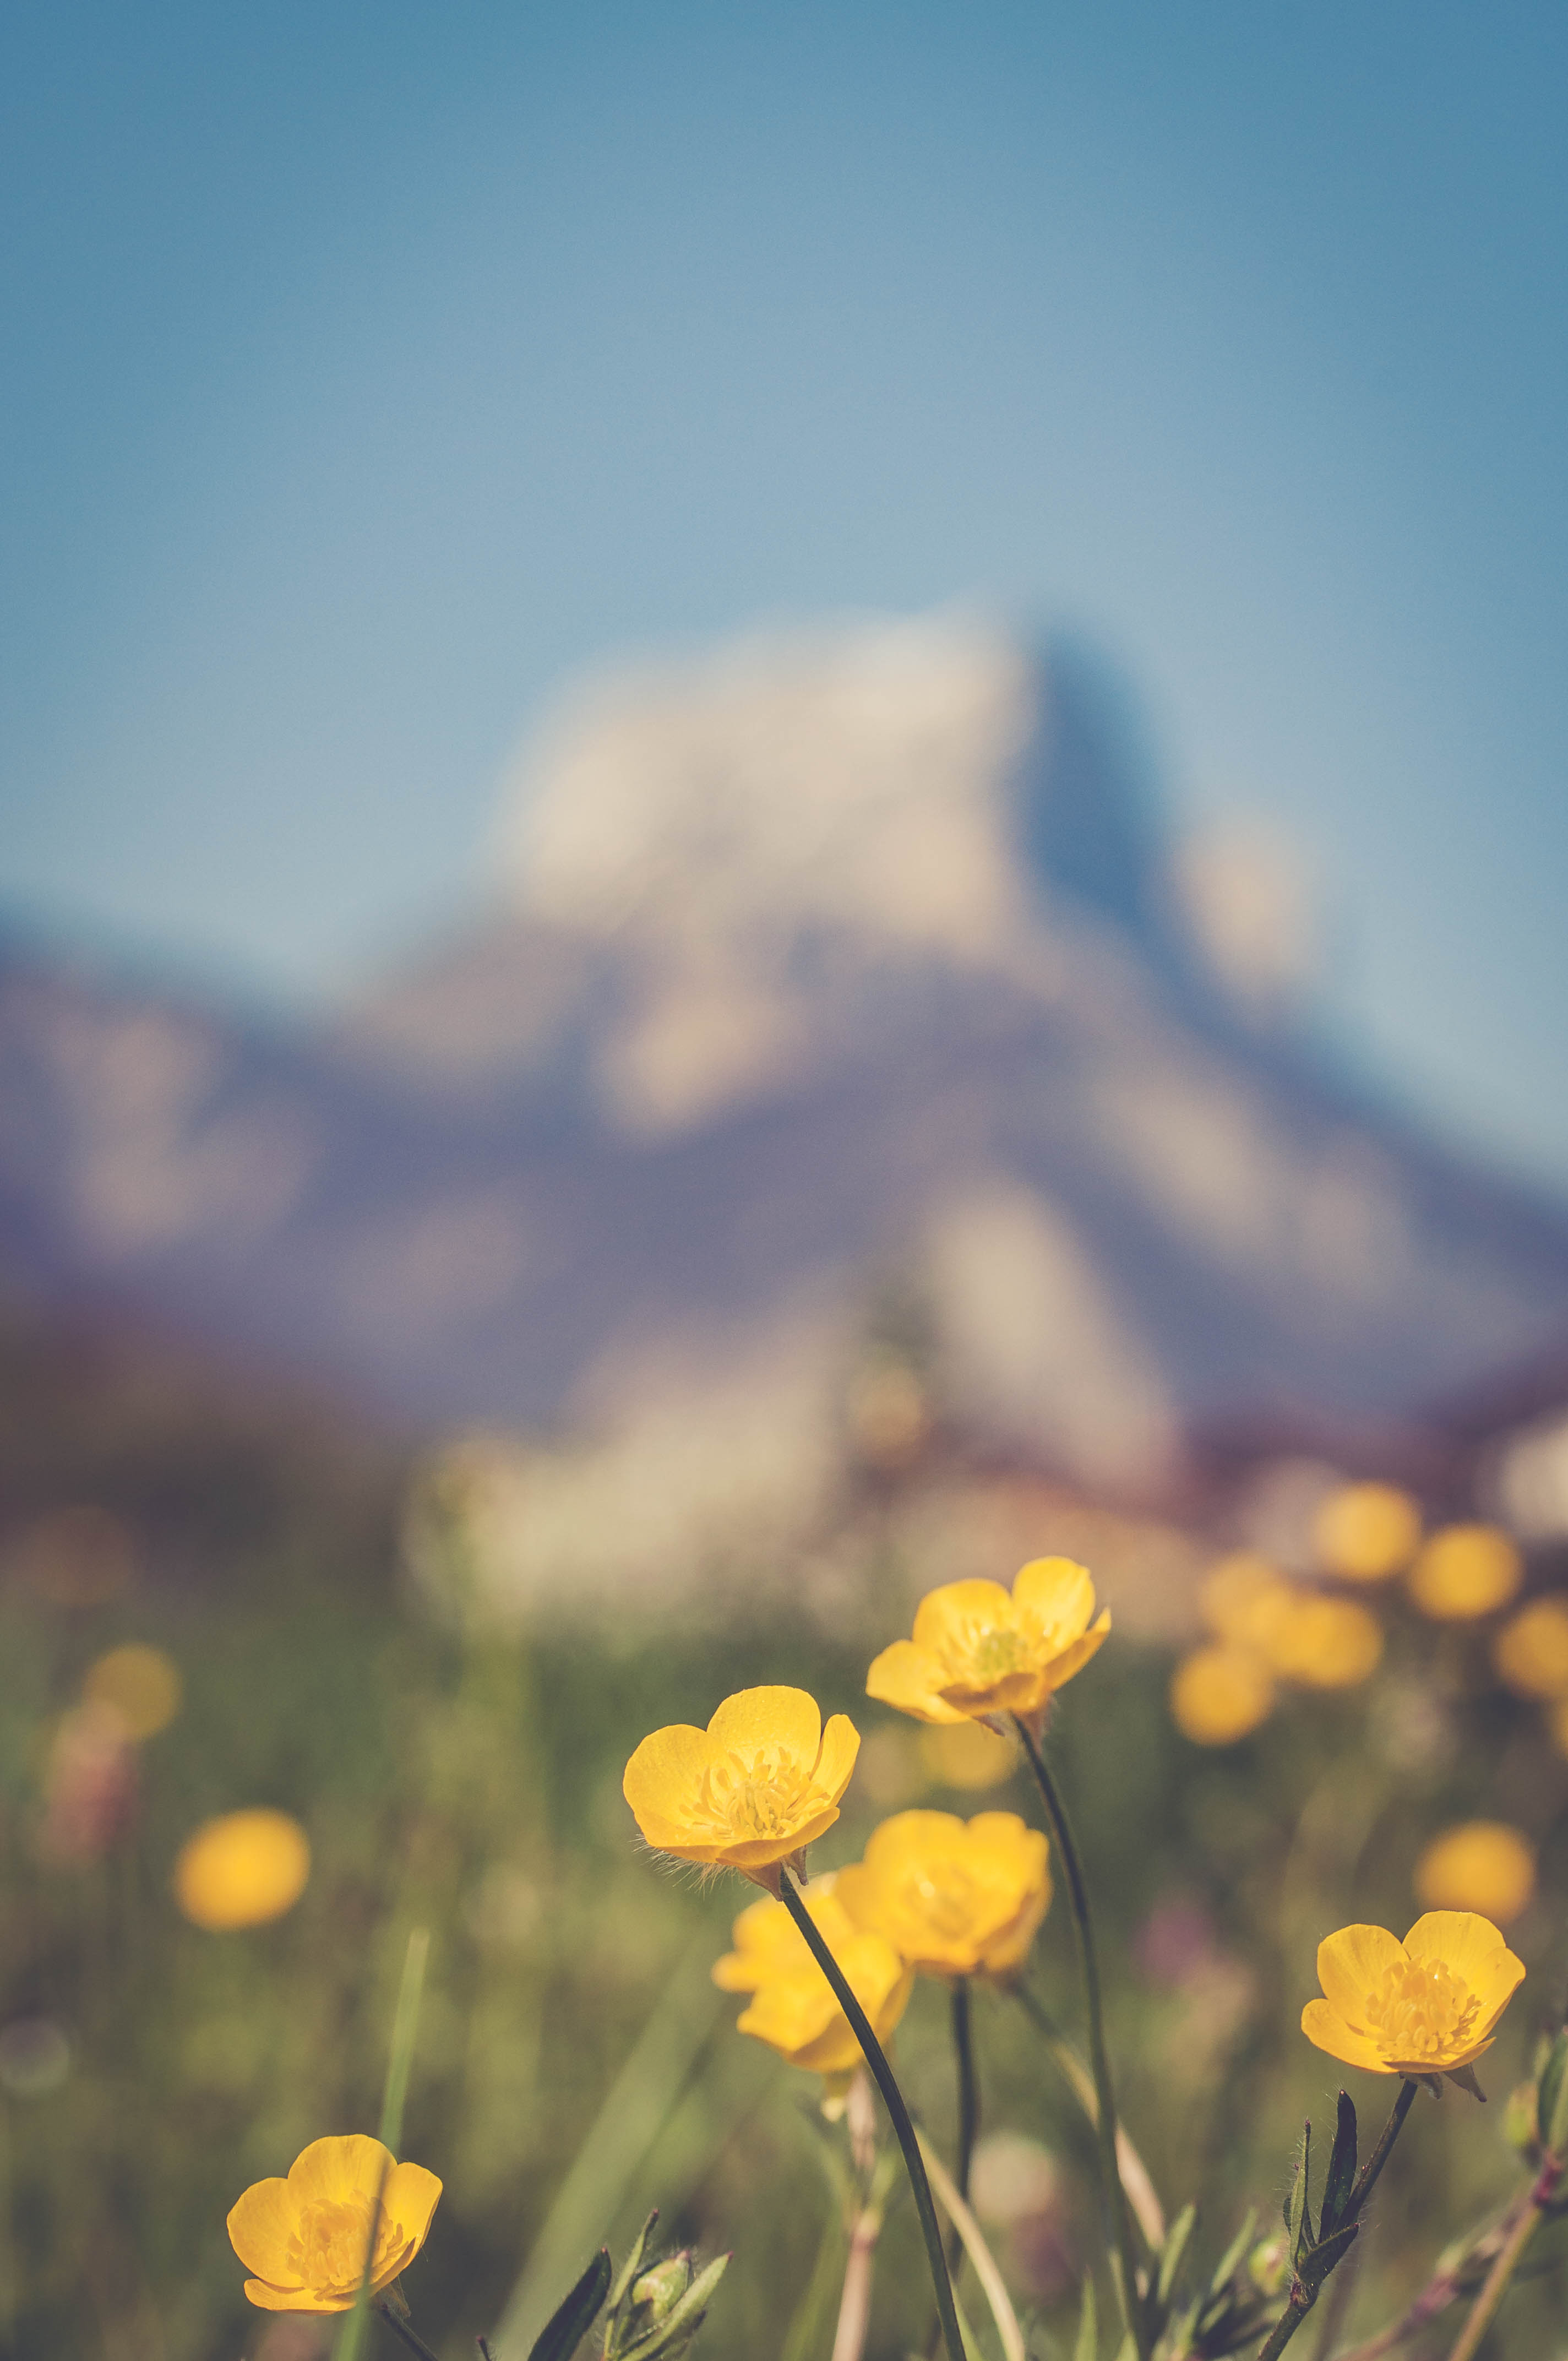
1302	2298
1099	2064
893	2098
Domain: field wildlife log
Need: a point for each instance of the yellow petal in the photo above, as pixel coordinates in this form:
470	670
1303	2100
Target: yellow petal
753	1719
1056	1595
270	2299
1329	2032
1020	1693
949	1614
261	2224
1460	1940
835	1764
908	1677
663	1778
346	2165
409	2199
1351	1965
1061	1669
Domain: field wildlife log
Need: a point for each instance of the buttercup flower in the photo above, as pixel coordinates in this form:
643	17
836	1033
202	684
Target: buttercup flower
140	1683
1219	1694
242	1868
980	1650
306	2238
954	1897
1243	1599
1326	1644
793	2007
751	1791
1479	1865
768	1942
1368	1532
967	1754
1464	1571
1426	2006
1530	1651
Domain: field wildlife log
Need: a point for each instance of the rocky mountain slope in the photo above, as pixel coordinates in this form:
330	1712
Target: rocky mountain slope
841	990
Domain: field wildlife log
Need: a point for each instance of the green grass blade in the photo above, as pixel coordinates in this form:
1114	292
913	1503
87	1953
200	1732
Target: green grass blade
394	2093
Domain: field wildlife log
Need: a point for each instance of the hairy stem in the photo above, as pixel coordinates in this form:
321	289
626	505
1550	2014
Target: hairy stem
1099	2065
400	2328
893	2099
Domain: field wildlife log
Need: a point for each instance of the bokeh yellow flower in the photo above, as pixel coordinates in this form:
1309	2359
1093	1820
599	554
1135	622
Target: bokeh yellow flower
979	1649
1483	1865
1326	1644
242	1868
751	1791
1366	1531
141	1685
953	1897
1464	1571
967	1754
1530	1651
1426	2006
768	1942
306	2238
1218	1694
1244	1598
792	2006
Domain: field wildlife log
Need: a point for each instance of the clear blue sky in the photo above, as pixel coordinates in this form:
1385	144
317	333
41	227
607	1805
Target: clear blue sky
368	368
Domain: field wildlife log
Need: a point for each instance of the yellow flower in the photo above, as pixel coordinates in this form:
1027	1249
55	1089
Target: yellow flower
306	2238
242	1868
768	1942
138	1683
1479	1865
1326	1644
1243	1599
753	1789
1463	1571
792	2006
966	1754
1368	1532
980	1650
954	1897
1426	2006
1530	1651
1219	1694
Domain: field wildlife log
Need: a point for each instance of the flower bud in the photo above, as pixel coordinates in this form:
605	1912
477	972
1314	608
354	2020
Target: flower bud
1268	2267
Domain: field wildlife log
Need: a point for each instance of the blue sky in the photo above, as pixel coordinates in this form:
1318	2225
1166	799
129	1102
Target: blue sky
369	369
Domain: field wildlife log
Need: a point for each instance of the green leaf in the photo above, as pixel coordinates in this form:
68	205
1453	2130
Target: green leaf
1171	2253
1086	2348
633	2263
1552	2098
565	2328
1319	2260
1297	2210
680	2325
1341	2166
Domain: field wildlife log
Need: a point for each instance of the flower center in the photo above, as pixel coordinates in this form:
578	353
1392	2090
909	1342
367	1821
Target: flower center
1421	2010
986	1652
327	2250
764	1795
945	1899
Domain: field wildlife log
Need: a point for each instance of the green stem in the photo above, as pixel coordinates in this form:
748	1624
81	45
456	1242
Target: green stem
1502	2270
893	2098
400	2328
1366	2179
1099	2065
969	2087
1302	2298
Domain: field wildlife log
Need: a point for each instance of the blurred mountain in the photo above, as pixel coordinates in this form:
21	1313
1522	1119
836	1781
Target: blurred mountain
843	997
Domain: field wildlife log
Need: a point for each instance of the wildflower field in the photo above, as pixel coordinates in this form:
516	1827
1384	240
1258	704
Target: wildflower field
628	1906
